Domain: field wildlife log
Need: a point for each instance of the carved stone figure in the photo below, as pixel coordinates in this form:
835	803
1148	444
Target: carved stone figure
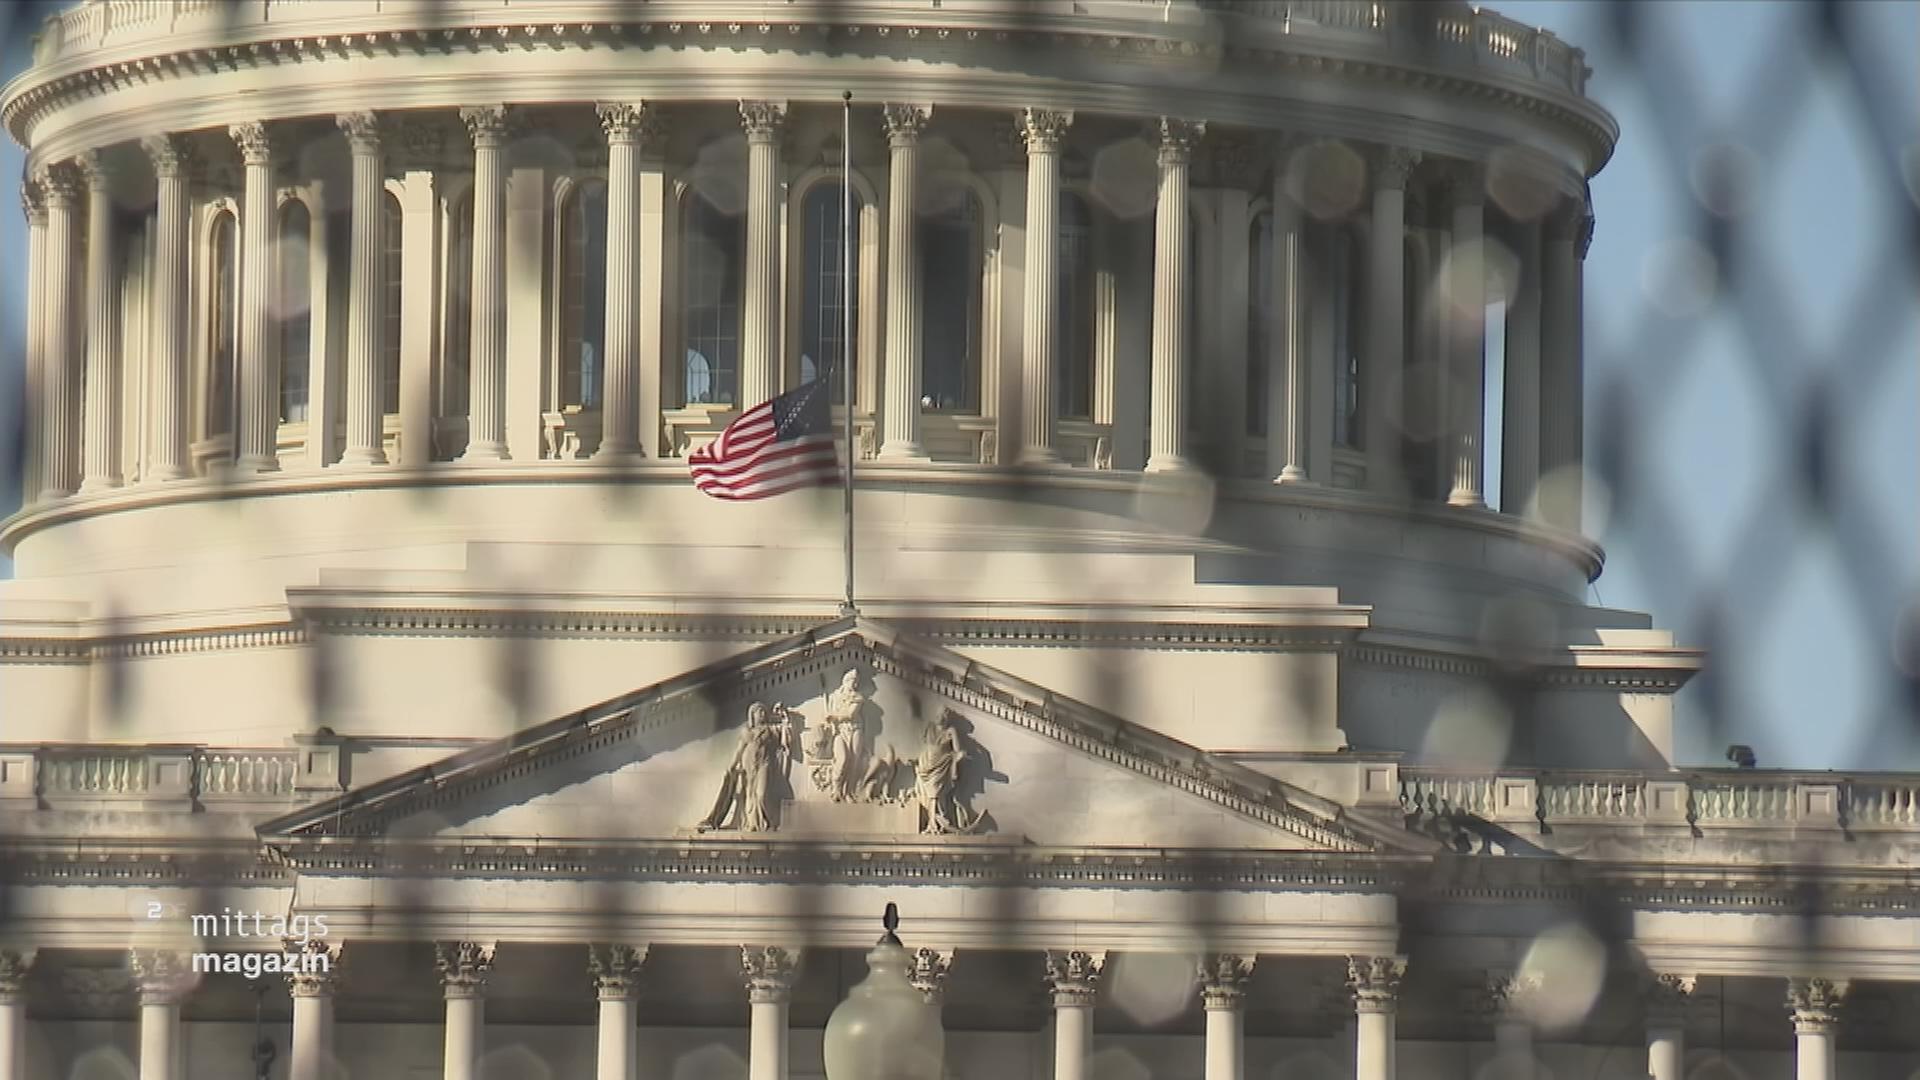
936	774
846	711
746	795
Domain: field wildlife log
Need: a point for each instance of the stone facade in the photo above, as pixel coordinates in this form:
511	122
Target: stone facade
1202	710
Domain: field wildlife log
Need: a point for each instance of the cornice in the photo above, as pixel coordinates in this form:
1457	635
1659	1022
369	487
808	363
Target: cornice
1126	43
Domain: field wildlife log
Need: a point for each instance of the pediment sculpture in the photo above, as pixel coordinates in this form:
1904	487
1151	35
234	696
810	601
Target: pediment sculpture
752	787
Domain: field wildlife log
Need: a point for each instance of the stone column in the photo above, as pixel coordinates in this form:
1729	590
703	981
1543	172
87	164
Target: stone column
1666	1003
1815	1004
421	277
929	973
1521	422
33	203
1075	977
366	271
1466	336
1287	391
258	390
1044	131
1375	984
464	967
487	338
900	418
15	965
760	302
312	987
100	433
1386	341
60	187
616	975
1560	397
1223	991
163	980
769	971
1172	296
626	125
1504	1002
168	450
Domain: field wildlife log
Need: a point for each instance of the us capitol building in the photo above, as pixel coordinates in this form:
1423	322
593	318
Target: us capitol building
1205	710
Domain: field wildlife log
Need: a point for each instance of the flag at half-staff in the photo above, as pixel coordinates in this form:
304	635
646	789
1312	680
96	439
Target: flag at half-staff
774	447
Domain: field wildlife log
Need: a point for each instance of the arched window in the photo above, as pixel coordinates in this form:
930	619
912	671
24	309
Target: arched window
1259	320
391	241
454	378
711	241
1073	319
583	295
221	327
952	252
825	294
1349	314
296	310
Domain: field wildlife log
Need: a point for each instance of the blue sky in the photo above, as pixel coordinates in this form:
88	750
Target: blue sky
1803	667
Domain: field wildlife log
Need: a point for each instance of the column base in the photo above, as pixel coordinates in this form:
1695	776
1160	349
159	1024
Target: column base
1294	474
363	458
902	452
257	465
96	485
165	473
483	454
1169	463
1040	457
618	455
1470	500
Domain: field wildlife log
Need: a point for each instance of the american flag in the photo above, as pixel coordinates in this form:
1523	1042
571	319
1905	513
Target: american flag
774	447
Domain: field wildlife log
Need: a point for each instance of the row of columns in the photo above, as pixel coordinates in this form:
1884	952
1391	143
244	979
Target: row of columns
1542	375
163	979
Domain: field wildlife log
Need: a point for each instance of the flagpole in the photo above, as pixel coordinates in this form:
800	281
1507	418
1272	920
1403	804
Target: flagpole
846	327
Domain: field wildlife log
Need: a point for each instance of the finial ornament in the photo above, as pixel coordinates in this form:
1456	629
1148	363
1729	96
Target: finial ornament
891	920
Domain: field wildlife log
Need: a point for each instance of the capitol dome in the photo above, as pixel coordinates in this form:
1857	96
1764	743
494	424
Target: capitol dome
360	571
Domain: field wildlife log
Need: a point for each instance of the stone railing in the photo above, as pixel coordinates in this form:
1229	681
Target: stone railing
1438	34
1708	799
54	775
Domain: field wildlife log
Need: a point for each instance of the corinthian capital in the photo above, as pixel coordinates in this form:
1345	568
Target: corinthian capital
904	123
162	976
33	201
616	970
929	972
363	131
1177	139
256	145
1223	979
464	966
1667	997
1374	982
762	120
15	966
769	971
486	124
172	155
1815	1004
94	169
59	183
313	967
1075	975
1044	129
1507	996
626	122
1391	167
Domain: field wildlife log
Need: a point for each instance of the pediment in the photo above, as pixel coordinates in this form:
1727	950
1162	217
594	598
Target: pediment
920	745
